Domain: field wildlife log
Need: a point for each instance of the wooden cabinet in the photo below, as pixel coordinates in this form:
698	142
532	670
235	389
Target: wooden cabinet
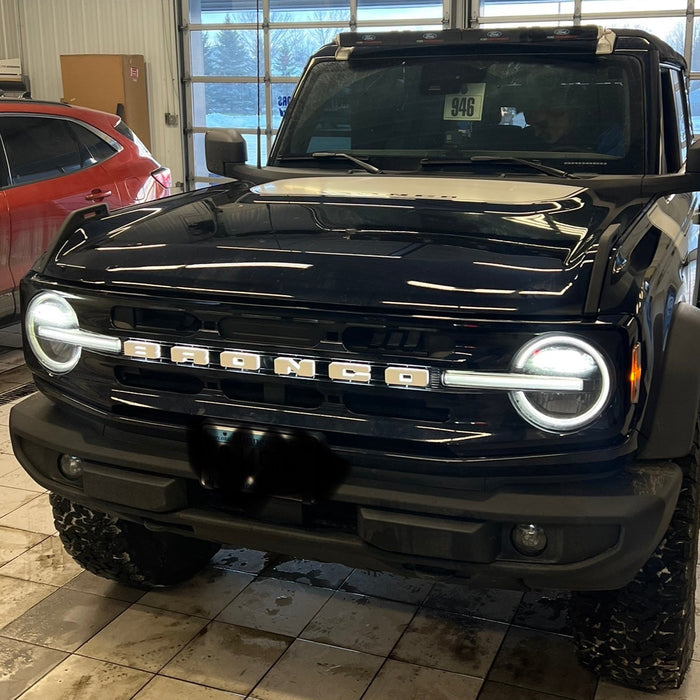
113	83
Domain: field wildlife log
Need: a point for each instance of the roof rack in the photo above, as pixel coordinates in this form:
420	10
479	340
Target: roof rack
585	39
23	99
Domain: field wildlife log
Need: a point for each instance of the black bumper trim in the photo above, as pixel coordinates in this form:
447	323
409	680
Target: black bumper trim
458	532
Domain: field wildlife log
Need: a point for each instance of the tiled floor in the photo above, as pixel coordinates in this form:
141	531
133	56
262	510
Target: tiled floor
256	626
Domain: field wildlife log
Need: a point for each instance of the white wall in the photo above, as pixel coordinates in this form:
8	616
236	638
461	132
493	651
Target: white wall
9	38
50	28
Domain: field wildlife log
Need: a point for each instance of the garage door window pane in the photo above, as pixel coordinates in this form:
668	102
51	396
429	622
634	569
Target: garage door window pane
631	5
695	106
226	105
225	52
222	11
290	48
514	8
495	24
309	11
695	61
371	10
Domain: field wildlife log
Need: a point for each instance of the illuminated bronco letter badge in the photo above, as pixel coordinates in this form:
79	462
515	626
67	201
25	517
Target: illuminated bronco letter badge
282	366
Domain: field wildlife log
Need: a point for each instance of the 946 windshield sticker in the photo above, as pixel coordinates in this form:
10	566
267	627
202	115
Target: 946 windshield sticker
465	106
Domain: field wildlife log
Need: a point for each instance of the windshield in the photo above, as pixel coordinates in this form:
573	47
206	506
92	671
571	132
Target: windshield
573	113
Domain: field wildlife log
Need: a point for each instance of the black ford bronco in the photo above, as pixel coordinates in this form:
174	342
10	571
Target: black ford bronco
450	329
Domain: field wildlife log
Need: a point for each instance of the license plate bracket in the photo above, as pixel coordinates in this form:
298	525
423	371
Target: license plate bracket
265	461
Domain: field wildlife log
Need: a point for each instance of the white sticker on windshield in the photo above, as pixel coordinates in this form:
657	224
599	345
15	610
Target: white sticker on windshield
465	106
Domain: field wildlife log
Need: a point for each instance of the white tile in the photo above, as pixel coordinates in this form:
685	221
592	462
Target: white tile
5	416
78	678
8	463
161	688
12	499
353	621
284	607
22	664
64	620
16	597
143	637
401	681
88	582
15	542
318	672
46	562
204	595
35	516
228	657
19	479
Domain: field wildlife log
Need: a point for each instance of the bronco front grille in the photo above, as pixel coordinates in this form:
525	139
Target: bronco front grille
420	417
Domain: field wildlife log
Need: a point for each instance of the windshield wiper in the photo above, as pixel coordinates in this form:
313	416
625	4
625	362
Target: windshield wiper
339	154
335	154
495	159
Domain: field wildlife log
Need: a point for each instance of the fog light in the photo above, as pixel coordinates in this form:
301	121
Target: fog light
529	539
71	467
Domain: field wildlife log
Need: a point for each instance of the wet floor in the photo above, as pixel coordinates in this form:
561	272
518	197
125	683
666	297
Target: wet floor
254	625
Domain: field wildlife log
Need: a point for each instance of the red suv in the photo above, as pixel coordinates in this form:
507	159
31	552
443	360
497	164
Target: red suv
55	158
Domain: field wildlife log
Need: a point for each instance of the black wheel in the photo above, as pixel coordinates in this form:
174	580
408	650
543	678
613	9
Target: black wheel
642	635
124	551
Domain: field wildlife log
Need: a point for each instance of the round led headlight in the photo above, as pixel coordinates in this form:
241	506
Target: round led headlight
562	356
49	314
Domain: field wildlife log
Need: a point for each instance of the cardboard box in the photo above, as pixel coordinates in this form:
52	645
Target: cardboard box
114	83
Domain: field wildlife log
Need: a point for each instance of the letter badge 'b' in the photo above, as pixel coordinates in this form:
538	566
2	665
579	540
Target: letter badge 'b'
142	350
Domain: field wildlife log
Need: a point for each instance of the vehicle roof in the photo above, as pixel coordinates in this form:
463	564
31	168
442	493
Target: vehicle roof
26	106
592	39
666	52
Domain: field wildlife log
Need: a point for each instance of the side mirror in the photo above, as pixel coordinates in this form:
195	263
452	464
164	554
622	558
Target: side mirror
692	163
223	148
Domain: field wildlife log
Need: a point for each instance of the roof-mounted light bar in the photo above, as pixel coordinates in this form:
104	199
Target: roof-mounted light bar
590	39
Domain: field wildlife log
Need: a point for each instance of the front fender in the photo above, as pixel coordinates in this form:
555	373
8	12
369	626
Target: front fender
674	400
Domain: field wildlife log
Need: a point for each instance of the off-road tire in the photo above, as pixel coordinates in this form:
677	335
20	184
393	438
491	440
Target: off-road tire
124	551
642	635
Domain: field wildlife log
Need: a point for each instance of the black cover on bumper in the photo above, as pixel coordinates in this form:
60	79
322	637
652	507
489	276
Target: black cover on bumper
601	530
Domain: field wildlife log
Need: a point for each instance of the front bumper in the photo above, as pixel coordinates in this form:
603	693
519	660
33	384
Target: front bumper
600	530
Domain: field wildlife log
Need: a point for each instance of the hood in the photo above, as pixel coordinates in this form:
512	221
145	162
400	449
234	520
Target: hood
411	244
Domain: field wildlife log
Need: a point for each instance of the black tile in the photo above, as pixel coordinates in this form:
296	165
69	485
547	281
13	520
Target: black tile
500	691
545	611
489	603
314	573
544	662
450	642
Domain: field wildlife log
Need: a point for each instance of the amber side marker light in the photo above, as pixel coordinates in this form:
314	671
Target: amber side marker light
635	375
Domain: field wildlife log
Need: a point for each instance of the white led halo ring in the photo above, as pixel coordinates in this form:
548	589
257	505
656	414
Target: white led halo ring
34	341
542	420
